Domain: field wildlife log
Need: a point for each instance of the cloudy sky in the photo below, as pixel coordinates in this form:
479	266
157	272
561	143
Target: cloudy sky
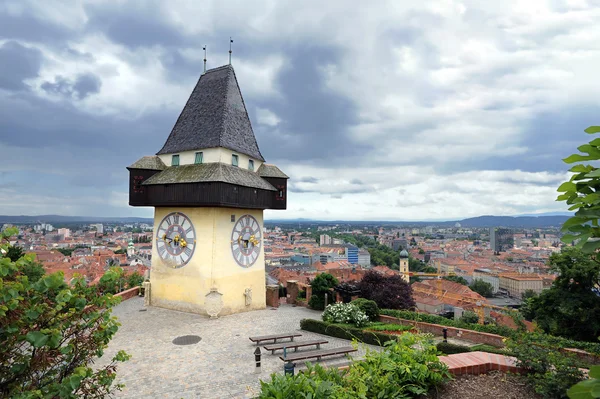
400	110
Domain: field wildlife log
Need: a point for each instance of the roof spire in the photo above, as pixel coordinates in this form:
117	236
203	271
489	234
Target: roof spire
230	41
204	48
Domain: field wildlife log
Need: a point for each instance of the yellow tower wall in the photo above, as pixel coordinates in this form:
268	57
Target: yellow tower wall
404	269
211	265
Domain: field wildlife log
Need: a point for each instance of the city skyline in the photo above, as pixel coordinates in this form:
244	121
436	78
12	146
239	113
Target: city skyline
441	111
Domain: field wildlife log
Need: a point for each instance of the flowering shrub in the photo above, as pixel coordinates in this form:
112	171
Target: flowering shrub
345	313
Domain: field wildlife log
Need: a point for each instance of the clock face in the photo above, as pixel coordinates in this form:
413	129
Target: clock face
246	240
176	239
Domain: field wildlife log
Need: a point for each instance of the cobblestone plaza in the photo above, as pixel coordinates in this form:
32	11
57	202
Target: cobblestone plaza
221	365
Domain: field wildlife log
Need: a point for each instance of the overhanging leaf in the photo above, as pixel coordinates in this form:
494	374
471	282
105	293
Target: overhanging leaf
567	186
594	372
578	158
36	338
581	390
592	129
590	246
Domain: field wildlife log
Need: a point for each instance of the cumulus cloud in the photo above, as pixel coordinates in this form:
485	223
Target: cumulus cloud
398	110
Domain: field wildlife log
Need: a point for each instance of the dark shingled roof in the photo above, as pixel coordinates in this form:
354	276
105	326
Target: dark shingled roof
214	116
267	170
153	163
209	172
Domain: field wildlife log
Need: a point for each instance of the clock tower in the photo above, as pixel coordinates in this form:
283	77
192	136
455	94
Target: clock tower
209	185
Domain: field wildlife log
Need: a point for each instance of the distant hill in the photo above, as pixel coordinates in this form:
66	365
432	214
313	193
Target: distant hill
480	221
515	221
71	219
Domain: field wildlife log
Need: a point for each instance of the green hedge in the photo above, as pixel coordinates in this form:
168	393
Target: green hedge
544	339
345	331
388	327
449	349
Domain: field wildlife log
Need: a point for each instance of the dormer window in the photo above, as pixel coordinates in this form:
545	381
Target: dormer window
234	160
251	165
199	156
175	160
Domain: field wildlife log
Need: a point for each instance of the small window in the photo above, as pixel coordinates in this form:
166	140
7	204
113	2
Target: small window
251	165
234	160
175	160
198	157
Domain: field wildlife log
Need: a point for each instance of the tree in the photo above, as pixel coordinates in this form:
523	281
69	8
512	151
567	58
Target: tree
121	251
51	332
457	279
528	294
469	317
14	253
581	193
33	270
66	251
482	288
321	285
570	308
389	292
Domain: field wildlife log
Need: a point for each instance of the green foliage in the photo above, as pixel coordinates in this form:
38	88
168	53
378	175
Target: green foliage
570	308
66	251
33	270
316	382
457	279
405	368
483	288
449	349
369	307
528	294
388	327
135	279
113	281
317	301
580	192
345	331
121	251
14	253
321	286
469	317
489	349
587	389
550	371
50	333
429	318
346	313
301	294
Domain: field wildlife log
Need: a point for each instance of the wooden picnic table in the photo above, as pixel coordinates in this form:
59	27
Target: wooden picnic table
274	337
295	345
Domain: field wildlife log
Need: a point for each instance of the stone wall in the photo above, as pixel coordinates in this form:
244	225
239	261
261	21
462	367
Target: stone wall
273	296
130	293
453	332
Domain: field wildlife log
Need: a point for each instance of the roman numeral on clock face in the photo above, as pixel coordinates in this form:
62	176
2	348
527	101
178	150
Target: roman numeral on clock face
176	219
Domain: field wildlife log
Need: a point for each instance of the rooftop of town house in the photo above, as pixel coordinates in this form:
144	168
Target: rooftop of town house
221	365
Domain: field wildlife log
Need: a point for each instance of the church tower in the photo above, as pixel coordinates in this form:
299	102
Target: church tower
404	265
209	185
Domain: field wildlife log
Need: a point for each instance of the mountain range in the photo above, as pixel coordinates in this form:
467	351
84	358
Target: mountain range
523	221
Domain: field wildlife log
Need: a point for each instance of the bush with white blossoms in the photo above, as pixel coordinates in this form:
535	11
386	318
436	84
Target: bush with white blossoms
345	313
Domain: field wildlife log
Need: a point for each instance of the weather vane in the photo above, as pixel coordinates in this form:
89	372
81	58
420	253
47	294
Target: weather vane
230	41
204	48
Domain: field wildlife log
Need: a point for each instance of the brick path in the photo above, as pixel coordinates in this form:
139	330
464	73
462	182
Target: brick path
479	363
219	366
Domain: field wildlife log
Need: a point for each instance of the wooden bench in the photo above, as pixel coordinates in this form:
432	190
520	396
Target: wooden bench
274	337
318	354
295	345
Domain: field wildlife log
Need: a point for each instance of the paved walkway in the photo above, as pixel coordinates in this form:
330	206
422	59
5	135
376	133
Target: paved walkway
221	365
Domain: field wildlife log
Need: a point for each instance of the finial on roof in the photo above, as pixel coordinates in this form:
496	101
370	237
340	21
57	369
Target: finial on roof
204	48
230	41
